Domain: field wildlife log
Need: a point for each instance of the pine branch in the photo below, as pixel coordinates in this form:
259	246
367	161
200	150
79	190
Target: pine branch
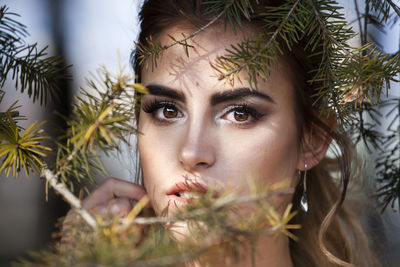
220	229
69	197
31	68
20	151
153	49
199	30
221	61
224	201
359	19
394	6
327	32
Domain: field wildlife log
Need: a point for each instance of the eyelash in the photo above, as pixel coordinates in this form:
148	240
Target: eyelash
156	105
254	114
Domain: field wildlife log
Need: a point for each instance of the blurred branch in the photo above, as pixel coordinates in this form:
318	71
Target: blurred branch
69	197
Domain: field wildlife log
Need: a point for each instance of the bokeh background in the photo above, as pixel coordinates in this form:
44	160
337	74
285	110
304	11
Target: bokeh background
90	33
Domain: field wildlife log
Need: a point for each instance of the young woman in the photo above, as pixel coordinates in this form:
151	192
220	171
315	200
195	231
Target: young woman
198	132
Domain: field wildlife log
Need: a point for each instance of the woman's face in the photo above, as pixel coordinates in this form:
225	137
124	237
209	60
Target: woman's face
197	132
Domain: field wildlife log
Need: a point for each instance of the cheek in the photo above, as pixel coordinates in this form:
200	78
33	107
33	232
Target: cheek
269	153
156	145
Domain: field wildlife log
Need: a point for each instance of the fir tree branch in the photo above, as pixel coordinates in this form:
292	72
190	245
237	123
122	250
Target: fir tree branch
201	29
366	16
394	6
69	197
262	51
31	68
327	31
228	201
153	49
358	18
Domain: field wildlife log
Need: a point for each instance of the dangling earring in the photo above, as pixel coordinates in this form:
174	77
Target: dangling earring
303	199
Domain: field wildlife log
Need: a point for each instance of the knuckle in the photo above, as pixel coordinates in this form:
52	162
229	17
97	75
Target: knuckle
109	184
110	181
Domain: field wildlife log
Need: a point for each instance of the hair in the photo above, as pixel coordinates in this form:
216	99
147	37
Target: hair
331	234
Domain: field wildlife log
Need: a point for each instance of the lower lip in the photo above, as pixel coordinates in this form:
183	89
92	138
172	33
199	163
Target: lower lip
175	201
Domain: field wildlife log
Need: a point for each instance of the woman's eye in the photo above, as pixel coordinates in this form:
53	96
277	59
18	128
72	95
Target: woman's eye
163	111
242	114
170	112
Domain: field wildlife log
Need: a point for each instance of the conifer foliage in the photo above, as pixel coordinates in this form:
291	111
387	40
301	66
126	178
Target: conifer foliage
352	82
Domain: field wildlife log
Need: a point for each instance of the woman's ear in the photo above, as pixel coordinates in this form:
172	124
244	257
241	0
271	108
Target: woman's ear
315	144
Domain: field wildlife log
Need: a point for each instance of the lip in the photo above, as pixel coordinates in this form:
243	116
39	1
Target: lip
175	201
187	186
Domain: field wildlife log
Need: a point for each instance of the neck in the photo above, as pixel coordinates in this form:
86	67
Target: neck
269	251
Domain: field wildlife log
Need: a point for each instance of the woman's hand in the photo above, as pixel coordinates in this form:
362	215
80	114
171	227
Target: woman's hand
113	196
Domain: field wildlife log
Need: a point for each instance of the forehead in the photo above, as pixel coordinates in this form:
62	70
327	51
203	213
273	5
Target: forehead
177	70
202	48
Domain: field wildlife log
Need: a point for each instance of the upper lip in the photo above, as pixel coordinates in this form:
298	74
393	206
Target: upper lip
187	186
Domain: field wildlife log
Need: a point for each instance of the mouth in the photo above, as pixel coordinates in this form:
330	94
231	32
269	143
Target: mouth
186	192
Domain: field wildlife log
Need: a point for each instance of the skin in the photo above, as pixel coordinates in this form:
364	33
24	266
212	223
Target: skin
204	133
203	141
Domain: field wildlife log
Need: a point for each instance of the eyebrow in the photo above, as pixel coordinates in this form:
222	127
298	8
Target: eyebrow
217	98
239	93
160	90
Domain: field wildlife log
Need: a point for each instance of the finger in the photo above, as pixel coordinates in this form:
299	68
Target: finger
119	206
115	207
114	188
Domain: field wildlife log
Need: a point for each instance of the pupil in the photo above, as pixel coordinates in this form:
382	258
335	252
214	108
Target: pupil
170	112
241	115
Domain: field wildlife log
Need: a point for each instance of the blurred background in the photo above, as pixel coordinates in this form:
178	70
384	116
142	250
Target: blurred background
90	33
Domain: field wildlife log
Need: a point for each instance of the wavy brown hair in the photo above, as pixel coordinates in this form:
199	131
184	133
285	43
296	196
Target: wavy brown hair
331	234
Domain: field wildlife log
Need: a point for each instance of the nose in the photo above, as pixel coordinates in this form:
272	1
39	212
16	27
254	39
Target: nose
198	147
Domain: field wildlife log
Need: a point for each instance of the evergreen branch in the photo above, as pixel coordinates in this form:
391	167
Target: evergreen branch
11	31
32	69
261	52
394	6
359	19
199	30
153	244
154	49
364	40
69	197
225	201
382	8
327	31
20	151
101	120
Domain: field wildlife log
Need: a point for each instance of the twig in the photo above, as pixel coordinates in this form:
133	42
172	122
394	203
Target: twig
359	18
364	39
67	161
321	23
394	6
182	41
191	35
220	203
69	197
239	68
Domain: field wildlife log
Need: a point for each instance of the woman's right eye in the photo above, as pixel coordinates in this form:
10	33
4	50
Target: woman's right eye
163	111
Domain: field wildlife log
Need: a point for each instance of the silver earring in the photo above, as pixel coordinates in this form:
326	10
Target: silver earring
303	199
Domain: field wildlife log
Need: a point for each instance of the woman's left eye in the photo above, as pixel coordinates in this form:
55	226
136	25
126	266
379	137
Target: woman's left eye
241	114
163	111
